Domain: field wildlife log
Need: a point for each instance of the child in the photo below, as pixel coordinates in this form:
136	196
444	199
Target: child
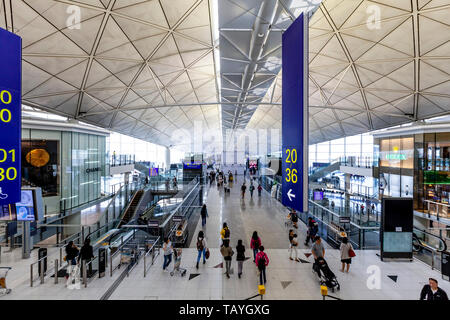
293	245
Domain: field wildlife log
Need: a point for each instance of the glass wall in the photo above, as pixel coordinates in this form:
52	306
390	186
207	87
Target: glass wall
67	165
143	150
396	164
359	146
432	172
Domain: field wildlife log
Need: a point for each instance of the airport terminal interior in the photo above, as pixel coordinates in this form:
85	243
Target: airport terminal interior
224	149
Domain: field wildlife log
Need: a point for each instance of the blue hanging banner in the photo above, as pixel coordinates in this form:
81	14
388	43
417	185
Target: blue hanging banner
295	115
10	116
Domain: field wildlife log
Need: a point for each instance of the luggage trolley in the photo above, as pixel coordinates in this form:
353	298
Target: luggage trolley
3	288
177	263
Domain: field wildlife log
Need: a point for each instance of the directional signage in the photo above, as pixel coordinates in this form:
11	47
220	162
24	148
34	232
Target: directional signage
295	115
10	116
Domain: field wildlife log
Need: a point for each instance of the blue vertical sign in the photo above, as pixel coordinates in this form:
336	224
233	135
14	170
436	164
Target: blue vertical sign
295	115
10	116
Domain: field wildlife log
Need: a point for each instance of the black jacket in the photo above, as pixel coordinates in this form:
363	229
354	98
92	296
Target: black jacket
427	294
240	253
71	252
204	212
86	252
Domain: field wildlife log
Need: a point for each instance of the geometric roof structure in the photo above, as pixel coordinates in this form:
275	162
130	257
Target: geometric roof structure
372	65
148	67
250	52
142	68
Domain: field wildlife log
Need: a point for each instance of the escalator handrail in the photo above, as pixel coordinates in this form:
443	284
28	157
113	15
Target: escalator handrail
129	205
423	244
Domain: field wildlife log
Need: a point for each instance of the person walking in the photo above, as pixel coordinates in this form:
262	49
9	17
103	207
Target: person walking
252	188
240	256
313	228
318	250
204	214
72	252
346	255
431	291
243	188
259	190
294	218
293	244
201	247
227	252
168	251
225	233
255	243
262	261
86	254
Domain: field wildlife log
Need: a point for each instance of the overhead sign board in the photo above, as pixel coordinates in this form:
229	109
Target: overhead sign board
295	115
10	116
344	219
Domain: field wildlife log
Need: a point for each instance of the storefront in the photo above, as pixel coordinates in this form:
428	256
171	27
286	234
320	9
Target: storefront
67	160
415	162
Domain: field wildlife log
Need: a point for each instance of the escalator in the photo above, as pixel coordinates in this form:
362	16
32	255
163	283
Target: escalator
428	247
323	172
130	210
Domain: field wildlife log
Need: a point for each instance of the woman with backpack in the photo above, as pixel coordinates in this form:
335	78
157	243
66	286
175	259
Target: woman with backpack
262	261
227	252
225	233
201	247
255	243
347	253
240	258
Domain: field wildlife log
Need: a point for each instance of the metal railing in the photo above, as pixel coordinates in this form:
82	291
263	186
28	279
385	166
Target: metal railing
122	160
155	245
360	237
427	247
41	272
438	209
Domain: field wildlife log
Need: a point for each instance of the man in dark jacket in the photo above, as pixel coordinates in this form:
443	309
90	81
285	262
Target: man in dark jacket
204	214
86	254
431	291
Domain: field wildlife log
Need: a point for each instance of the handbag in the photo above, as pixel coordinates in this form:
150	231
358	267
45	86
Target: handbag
351	253
207	254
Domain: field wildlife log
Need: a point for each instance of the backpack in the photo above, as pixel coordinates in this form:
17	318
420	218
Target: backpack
261	262
200	244
227	233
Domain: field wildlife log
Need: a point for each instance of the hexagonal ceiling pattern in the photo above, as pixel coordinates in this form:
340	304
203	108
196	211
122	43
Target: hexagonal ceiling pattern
142	68
373	64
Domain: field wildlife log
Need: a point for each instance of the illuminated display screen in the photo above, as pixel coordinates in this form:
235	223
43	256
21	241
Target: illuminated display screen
154	172
10	117
192	165
25	208
318	195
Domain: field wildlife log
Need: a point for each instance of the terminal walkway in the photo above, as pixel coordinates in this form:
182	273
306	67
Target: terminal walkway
286	279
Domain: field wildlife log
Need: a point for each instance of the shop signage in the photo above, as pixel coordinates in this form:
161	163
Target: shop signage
89	170
10	117
395	156
295	115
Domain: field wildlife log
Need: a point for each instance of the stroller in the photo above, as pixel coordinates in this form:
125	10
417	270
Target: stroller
177	262
325	275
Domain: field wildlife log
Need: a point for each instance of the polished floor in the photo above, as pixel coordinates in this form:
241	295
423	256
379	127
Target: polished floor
369	278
